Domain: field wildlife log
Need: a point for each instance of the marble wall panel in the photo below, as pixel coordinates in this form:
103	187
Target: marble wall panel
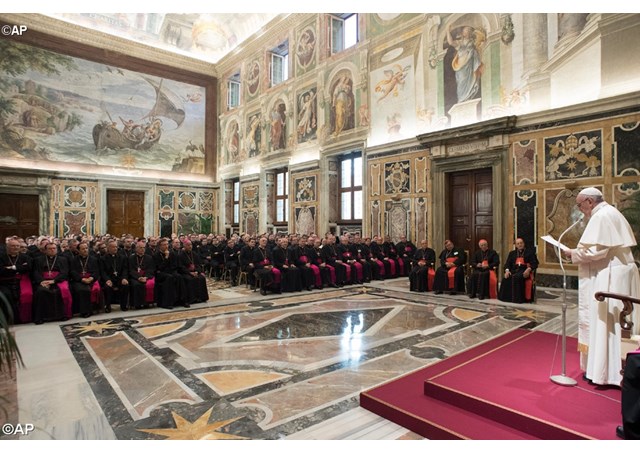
626	142
185	211
75	207
573	156
524	162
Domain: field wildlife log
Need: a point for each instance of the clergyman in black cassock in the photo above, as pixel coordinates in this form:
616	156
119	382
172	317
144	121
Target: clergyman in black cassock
115	273
517	283
15	281
423	260
192	273
483	281
169	287
84	275
50	278
141	277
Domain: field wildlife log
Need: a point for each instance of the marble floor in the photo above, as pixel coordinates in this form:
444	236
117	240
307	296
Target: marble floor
246	366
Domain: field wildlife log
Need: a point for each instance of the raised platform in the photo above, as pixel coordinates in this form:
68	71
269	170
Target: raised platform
500	390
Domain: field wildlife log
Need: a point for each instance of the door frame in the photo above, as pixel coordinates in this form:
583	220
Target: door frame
149	202
494	158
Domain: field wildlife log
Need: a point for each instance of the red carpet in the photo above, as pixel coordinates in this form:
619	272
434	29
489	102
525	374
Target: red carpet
500	390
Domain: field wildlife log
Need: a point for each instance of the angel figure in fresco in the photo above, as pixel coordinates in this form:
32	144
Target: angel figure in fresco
394	79
466	62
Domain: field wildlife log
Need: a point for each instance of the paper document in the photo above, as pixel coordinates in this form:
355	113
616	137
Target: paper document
555	243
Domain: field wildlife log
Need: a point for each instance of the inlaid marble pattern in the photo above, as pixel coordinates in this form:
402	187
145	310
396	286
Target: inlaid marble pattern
273	367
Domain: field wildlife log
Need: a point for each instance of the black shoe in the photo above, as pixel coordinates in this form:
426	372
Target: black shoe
481	298
86	315
333	285
586	379
472	296
107	309
124	309
453	293
620	432
39	322
437	292
309	288
186	305
167	308
263	291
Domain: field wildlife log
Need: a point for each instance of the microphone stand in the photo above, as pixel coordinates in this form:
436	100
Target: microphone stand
563	379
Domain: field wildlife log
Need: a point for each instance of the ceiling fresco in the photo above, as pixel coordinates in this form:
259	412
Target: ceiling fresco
207	37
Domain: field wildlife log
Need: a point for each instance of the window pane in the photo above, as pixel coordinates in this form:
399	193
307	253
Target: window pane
357	171
236	191
346	173
350	31
276	69
279	210
337	35
236	213
280	184
233	99
345	204
357	204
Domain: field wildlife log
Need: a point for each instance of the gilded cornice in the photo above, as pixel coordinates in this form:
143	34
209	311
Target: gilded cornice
66	30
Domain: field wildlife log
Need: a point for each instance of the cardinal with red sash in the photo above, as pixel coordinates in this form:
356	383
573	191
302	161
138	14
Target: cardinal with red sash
450	274
484	280
326	272
517	284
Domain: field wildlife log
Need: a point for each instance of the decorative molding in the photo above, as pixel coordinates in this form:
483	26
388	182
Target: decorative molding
83	35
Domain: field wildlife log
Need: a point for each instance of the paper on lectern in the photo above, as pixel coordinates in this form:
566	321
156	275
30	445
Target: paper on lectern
555	243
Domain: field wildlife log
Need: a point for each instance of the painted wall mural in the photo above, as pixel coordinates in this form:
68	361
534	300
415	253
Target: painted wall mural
71	110
342	116
253	136
306	50
307	120
393	91
278	126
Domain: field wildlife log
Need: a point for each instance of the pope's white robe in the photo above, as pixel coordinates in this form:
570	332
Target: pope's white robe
605	264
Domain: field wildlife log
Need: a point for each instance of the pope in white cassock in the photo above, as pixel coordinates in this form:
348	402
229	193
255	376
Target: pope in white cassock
605	264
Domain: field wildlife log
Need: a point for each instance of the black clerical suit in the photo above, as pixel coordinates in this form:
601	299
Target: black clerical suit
48	302
140	268
290	274
81	269
15	284
191	272
115	283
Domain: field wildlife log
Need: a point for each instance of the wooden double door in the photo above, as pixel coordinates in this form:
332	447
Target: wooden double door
125	212
470	213
19	215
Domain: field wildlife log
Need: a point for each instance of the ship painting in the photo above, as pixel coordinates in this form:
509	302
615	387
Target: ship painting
142	136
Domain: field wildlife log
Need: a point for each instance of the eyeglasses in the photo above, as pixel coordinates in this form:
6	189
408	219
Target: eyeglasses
580	204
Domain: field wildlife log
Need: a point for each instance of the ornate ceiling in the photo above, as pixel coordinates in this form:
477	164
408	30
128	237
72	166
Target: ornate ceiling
206	37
